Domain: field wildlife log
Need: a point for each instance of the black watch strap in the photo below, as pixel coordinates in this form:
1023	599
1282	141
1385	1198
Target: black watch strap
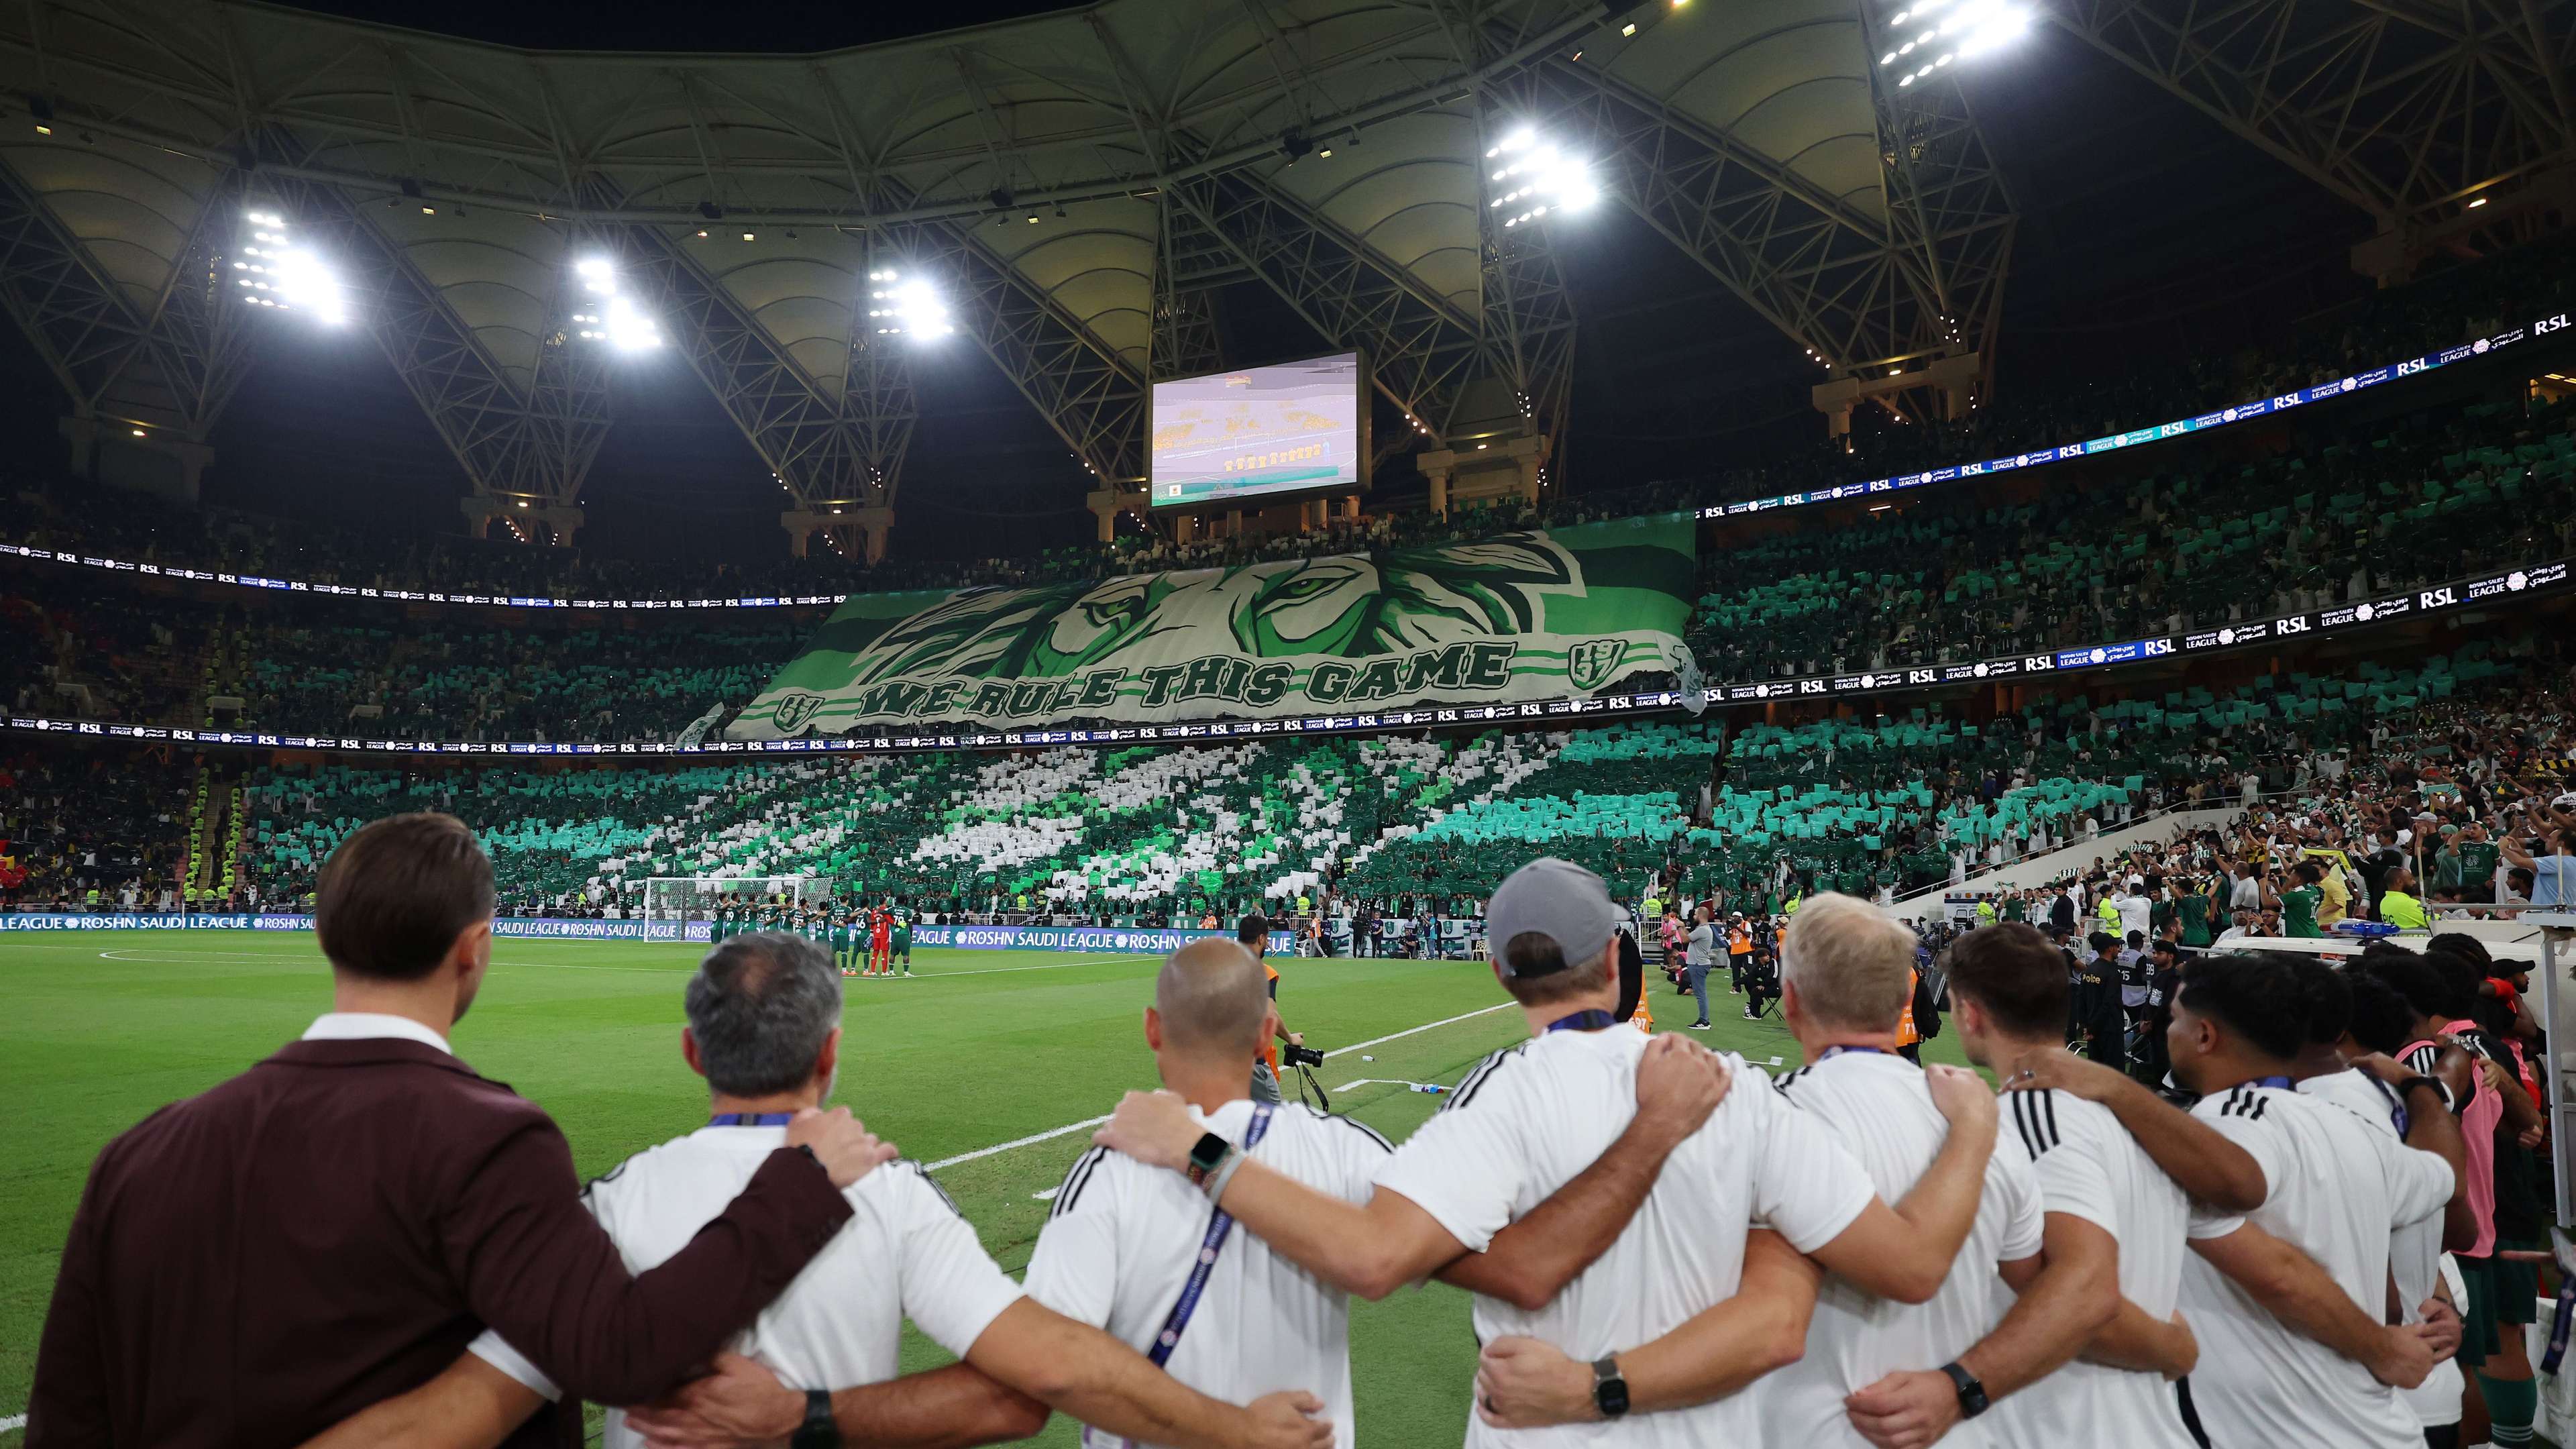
818	1431
1972	1394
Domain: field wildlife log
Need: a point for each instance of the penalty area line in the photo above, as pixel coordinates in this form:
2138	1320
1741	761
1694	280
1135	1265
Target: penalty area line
1072	1127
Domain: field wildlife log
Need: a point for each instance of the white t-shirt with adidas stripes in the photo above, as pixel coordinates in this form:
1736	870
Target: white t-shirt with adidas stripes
905	1253
1531	1117
2335	1188
2414	1249
2089	1166
1877	1106
1120	1240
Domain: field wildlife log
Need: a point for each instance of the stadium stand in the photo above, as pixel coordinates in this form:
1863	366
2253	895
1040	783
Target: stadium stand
95	831
2345	507
2371	507
1149	836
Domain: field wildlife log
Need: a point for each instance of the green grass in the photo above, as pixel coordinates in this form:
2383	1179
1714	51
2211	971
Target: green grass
981	1048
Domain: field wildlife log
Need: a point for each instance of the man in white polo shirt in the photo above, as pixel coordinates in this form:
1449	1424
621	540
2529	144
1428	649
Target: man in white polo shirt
1140	1252
1527	1122
1847	978
2334	1188
764	1028
2086	1351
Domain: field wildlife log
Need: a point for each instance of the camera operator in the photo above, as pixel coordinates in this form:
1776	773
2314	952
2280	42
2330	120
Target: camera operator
1253	933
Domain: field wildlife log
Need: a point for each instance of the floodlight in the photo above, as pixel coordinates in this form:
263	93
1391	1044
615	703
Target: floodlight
1969	28
908	307
276	273
614	317
629	330
1541	176
305	282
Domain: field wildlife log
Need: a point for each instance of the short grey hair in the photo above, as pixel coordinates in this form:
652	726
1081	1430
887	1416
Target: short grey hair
761	1007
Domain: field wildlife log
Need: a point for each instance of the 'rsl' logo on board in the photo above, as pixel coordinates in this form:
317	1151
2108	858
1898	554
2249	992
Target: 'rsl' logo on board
1589	663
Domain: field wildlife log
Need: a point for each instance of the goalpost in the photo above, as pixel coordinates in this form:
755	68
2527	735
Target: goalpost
675	903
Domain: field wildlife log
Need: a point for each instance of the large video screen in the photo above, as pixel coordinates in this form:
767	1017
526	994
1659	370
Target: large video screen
1288	428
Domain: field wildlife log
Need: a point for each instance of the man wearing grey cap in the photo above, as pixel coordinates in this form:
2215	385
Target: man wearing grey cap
1715	1241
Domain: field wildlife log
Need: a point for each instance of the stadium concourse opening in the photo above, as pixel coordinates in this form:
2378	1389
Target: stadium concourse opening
1273	657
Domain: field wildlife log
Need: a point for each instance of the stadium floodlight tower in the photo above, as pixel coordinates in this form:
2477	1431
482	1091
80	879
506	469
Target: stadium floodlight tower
275	271
1929	34
902	304
610	315
672	903
1539	176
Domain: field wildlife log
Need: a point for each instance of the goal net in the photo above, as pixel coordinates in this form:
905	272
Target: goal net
684	907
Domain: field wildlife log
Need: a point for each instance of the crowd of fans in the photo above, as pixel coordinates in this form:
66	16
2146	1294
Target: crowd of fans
2358	508
2355	514
91	831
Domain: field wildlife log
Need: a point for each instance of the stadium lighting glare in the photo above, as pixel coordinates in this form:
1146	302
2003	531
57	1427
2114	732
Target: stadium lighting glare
2478	202
1967	29
138	432
907	306
1542	176
612	316
277	274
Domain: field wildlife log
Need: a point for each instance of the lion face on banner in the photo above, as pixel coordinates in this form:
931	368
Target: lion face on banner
1347	606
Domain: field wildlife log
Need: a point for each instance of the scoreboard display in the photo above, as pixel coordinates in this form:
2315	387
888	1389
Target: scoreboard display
1292	427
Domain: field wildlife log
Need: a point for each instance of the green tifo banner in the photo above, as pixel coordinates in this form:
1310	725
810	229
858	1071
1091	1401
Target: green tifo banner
1509	619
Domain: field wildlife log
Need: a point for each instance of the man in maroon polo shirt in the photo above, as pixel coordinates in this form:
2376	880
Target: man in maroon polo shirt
335	1225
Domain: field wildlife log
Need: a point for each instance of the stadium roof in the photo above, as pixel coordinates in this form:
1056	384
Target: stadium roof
1080	180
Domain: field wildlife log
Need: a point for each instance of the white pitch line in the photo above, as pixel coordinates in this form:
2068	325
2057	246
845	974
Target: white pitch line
1071	1127
1049	1135
917	976
17	1422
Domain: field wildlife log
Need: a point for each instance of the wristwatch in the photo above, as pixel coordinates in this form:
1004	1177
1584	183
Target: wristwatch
1609	1390
818	1431
1972	1395
1207	1156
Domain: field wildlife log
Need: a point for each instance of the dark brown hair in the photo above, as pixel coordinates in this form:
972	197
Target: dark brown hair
397	893
2014	973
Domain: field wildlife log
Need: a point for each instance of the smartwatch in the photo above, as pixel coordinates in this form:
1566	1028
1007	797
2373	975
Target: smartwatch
1206	1157
818	1431
1972	1394
1609	1390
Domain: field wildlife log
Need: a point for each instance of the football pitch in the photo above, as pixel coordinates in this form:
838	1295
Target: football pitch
987	1065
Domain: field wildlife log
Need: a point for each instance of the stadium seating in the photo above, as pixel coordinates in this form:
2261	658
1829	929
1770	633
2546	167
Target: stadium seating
2428	498
73	824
